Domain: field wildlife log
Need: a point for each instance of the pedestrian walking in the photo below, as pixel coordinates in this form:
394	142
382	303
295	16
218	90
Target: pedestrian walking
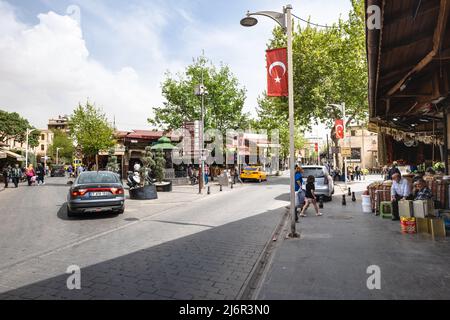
310	197
299	192
31	174
206	173
394	170
6	174
40	172
16	174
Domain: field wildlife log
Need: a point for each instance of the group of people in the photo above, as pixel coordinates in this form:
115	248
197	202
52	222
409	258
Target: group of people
401	190
15	174
307	196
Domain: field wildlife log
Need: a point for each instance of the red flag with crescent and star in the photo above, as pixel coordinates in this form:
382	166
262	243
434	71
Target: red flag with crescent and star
277	73
339	127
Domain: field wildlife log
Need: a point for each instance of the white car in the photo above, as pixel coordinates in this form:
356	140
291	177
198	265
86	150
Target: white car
324	181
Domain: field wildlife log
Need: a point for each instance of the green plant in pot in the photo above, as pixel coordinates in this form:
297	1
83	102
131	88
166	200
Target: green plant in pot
147	164
159	165
439	167
112	164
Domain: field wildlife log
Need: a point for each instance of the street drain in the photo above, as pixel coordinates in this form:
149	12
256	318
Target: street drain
131	219
340	217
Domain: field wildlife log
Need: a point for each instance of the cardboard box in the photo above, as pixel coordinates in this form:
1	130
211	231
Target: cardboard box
406	208
423	208
437	228
423	225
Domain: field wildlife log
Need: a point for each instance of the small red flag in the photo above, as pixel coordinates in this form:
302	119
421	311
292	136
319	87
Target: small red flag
277	73
339	127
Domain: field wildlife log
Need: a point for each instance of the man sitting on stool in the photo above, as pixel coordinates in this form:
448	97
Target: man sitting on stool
400	190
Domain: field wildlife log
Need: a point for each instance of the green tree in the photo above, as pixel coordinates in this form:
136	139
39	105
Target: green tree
330	67
63	141
90	130
159	165
13	126
223	103
272	117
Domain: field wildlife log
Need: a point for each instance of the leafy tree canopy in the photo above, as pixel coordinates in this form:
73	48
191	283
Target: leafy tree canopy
330	67
13	126
223	103
64	142
90	129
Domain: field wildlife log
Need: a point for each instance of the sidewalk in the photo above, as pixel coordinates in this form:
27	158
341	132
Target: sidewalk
330	260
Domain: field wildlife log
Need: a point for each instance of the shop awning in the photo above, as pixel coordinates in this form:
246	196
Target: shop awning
409	64
11	154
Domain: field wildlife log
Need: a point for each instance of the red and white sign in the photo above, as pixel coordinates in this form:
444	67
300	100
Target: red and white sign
339	127
277	73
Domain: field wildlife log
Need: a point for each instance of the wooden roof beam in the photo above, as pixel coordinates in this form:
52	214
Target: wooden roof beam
437	40
425	8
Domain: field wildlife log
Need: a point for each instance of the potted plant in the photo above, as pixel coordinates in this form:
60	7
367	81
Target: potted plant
141	186
158	170
112	164
439	167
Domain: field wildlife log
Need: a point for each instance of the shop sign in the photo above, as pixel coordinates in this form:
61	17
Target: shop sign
346	152
372	127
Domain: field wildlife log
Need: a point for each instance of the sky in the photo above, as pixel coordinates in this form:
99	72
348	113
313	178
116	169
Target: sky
55	54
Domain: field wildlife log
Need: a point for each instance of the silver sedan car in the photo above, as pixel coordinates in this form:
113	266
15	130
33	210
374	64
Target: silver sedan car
96	191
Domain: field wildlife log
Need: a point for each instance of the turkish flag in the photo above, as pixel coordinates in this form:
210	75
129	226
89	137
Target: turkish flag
277	73
339	127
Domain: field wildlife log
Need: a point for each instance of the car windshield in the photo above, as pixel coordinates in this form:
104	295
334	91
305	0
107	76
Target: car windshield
315	172
97	177
251	169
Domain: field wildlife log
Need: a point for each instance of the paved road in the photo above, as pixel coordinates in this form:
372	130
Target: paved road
181	246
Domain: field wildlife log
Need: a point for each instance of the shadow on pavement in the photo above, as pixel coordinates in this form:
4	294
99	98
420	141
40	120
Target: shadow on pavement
211	264
62	214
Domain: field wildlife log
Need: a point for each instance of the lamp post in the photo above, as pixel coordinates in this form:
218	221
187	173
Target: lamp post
342	107
201	92
57	153
26	150
284	19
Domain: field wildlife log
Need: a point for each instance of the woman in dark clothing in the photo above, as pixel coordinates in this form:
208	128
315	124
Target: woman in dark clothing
310	197
40	172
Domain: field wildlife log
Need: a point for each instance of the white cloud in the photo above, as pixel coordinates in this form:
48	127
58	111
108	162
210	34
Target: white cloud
45	70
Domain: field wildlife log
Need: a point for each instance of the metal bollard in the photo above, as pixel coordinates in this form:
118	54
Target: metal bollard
209	190
353	197
321	202
220	188
349	191
232	185
344	202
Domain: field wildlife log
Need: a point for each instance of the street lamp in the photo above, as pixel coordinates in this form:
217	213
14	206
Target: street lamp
26	150
284	19
201	91
57	150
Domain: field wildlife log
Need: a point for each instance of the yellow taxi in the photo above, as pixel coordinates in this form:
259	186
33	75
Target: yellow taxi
253	173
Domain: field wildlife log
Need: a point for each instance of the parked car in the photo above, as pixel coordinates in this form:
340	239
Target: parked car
324	182
253	173
58	171
96	191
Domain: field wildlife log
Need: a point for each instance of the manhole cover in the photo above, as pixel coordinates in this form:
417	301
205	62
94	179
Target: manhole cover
340	217
131	219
